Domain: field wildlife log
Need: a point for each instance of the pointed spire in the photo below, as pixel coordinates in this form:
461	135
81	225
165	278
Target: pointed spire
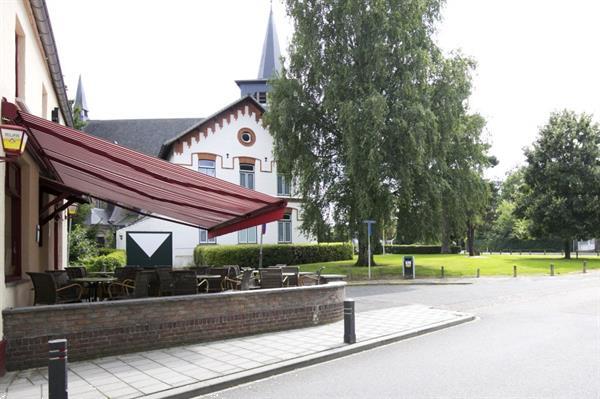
269	61
80	100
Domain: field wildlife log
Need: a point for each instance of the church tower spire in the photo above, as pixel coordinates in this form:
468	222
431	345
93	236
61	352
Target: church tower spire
80	101
270	65
270	62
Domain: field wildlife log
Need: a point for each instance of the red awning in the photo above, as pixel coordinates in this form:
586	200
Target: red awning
89	165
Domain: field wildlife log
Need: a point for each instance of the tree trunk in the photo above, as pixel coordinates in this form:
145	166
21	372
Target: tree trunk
567	249
445	235
471	238
363	258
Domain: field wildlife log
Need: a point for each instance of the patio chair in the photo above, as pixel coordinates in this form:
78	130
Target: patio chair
47	292
76	271
200	269
242	283
184	282
218	285
292	281
272	278
140	287
165	282
61	277
311	279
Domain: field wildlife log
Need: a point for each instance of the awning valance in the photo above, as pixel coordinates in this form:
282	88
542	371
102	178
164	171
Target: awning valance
89	165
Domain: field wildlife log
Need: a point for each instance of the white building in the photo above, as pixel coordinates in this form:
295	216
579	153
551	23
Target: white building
231	144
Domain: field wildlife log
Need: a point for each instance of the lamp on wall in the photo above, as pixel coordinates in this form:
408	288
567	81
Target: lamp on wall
14	140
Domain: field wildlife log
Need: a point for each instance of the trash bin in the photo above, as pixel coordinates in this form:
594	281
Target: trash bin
408	267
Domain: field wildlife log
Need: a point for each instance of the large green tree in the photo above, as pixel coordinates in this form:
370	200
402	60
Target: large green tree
350	116
561	194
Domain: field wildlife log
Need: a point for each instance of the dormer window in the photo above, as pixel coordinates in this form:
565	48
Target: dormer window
262	97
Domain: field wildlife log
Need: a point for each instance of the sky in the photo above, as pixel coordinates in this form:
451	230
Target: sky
179	58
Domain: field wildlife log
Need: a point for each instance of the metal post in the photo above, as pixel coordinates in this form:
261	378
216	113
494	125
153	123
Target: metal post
57	369
478	273
369	254
260	255
442	271
584	266
515	271
551	269
349	319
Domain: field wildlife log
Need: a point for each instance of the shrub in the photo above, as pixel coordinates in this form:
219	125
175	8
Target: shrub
418	249
248	255
80	246
105	251
515	245
106	262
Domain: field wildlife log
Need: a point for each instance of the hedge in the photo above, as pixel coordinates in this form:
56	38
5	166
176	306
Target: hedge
248	255
106	262
418	249
519	245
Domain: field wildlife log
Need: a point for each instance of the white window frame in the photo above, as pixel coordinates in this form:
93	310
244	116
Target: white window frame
243	237
247	171
284	229
284	186
205	239
207	169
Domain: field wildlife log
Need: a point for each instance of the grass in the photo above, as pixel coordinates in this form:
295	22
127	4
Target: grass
389	266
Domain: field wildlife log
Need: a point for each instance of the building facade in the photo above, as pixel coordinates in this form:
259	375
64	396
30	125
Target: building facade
34	236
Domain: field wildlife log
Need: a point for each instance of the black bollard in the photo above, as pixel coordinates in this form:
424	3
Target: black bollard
551	269
584	266
515	271
442	270
57	369
349	330
478	273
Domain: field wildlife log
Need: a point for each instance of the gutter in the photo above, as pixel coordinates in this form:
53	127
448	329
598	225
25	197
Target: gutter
42	20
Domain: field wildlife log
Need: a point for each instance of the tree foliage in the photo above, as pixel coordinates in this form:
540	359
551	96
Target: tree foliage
358	115
561	194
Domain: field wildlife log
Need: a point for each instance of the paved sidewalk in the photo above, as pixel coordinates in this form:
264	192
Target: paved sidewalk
197	369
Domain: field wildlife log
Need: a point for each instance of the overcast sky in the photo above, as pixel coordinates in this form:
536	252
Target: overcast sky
178	58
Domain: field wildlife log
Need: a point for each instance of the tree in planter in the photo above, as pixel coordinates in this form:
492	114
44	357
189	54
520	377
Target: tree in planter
350	117
561	194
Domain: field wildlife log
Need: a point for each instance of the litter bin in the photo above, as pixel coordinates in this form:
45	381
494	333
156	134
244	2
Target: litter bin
408	267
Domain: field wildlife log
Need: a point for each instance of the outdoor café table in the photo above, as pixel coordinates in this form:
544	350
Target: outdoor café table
207	277
93	283
101	274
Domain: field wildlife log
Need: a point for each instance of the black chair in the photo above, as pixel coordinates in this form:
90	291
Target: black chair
242	283
292	281
165	282
140	288
184	282
47	292
218	285
76	271
272	278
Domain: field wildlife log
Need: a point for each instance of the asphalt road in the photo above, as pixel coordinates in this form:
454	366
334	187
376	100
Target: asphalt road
535	338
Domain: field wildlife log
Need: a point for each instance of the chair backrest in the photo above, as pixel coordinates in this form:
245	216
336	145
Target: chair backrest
165	282
246	276
221	271
76	271
44	288
292	280
200	269
234	271
129	272
61	277
142	283
184	282
271	278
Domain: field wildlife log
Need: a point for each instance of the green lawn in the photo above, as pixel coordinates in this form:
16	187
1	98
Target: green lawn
389	266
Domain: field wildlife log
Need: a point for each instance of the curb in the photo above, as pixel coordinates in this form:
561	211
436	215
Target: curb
220	383
363	283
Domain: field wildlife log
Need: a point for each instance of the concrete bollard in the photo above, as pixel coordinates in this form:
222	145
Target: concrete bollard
442	271
515	271
478	274
57	369
584	266
551	269
349	322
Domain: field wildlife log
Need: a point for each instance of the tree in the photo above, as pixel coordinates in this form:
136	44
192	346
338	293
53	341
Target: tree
350	116
561	194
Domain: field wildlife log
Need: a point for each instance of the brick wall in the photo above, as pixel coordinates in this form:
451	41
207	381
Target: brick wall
110	328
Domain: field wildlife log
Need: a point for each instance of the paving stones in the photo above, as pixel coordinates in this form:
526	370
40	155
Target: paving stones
152	372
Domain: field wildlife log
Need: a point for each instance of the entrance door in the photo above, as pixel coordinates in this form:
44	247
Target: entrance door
149	248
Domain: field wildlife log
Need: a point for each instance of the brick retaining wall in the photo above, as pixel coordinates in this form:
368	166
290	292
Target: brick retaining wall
109	328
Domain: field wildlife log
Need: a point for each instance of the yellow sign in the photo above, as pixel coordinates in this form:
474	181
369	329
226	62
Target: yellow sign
14	139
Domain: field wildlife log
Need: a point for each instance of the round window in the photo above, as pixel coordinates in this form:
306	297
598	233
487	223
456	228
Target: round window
246	137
